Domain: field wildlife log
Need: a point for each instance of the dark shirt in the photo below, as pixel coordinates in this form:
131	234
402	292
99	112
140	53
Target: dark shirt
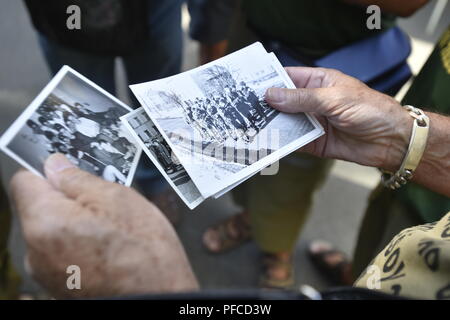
108	27
313	28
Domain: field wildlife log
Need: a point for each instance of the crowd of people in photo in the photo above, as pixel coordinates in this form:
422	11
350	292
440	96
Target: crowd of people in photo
234	112
92	140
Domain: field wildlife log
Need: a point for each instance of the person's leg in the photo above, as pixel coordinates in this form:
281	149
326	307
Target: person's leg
234	231
275	209
279	204
99	69
9	279
161	54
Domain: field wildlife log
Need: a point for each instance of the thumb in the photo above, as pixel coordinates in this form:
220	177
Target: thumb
295	100
67	178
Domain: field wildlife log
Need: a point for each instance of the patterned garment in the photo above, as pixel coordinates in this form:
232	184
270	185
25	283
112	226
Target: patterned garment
415	264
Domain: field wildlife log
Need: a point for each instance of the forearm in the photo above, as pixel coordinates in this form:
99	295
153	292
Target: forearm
402	8
433	171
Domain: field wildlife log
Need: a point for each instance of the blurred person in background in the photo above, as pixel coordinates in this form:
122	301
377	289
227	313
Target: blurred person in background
9	279
147	35
328	33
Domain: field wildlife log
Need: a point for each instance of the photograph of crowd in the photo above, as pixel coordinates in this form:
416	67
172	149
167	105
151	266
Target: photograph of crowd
217	122
228	109
159	151
82	123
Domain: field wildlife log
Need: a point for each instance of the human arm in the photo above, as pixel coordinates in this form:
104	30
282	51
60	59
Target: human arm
363	125
121	242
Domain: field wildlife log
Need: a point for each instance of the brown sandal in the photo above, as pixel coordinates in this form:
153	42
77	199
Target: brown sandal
271	261
230	233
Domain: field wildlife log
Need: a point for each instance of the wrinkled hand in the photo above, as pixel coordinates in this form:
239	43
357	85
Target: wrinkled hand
121	242
361	124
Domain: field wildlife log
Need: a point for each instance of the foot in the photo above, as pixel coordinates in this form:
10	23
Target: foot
333	264
228	234
278	270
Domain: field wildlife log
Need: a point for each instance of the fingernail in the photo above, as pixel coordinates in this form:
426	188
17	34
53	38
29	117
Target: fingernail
275	95
57	163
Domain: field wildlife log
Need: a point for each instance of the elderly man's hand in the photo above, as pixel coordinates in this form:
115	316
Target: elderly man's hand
121	242
361	124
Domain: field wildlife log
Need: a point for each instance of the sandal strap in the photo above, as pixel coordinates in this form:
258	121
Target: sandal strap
240	224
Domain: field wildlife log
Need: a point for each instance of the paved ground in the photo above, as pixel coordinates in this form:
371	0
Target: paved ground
335	218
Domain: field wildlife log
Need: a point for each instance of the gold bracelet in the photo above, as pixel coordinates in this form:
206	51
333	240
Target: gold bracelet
415	151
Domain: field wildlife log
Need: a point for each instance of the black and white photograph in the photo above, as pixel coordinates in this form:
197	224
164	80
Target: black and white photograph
74	117
217	121
159	151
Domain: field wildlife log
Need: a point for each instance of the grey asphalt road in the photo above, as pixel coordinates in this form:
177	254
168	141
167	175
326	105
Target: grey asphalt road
23	73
